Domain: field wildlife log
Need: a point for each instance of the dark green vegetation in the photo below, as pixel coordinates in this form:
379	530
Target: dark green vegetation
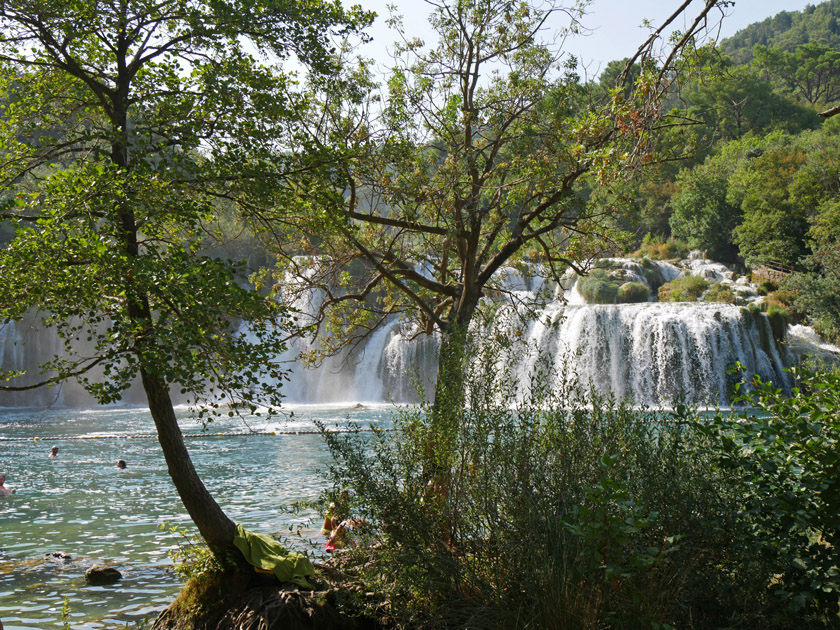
555	514
786	464
115	164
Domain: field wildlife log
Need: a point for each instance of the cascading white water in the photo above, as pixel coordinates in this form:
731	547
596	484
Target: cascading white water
654	353
22	346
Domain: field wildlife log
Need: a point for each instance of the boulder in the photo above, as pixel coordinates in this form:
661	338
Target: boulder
99	575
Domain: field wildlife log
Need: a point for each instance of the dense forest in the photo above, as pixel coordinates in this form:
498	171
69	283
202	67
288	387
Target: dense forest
758	180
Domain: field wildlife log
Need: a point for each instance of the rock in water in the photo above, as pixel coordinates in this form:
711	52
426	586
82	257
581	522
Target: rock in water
59	556
99	575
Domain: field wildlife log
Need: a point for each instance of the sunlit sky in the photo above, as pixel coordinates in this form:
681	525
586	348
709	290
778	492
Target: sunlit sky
615	26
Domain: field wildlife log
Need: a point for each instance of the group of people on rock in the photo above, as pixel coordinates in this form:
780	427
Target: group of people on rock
5	492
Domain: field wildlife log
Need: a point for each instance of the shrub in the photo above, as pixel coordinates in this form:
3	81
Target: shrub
783	458
653	274
779	318
562	510
659	249
720	293
606	263
766	286
598	287
632	292
685	289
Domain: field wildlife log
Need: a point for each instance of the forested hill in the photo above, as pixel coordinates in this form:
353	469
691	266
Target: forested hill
786	30
755	178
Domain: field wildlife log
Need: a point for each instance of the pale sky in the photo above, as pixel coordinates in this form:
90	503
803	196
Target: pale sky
616	25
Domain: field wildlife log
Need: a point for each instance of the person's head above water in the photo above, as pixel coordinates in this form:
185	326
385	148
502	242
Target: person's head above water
4	491
54	451
121	464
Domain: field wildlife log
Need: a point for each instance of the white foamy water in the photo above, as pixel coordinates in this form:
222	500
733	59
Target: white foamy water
652	352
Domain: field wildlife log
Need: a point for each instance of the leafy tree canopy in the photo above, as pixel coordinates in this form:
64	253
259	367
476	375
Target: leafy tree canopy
811	72
123	127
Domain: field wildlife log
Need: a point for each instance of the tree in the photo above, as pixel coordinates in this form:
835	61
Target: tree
124	126
739	101
811	72
702	216
480	155
817	187
774	224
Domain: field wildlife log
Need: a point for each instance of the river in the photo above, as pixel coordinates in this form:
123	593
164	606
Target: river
80	504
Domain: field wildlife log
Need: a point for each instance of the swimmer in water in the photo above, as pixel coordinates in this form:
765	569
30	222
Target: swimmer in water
4	491
121	464
54	451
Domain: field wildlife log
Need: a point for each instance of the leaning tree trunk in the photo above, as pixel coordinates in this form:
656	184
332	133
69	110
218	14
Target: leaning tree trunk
213	524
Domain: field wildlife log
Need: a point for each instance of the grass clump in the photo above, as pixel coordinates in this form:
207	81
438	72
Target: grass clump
658	248
779	318
598	287
719	292
685	289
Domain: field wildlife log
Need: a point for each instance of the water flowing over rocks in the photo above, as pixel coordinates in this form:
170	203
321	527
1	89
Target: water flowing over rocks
651	352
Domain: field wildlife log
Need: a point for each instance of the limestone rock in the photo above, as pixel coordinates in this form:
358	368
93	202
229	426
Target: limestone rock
99	575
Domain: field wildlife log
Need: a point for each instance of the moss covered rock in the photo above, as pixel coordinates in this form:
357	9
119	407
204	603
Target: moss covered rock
632	292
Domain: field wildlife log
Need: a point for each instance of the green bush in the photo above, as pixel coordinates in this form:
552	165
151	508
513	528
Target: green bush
779	318
606	263
685	289
598	287
720	293
766	286
783	457
632	292
653	274
657	248
562	510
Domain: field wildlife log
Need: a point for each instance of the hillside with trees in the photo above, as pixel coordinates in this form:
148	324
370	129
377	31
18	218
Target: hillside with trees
752	177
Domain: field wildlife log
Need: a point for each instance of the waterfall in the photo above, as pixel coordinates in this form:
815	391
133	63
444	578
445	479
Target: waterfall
654	353
23	345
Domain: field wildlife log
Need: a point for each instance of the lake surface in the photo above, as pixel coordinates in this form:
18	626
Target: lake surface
80	504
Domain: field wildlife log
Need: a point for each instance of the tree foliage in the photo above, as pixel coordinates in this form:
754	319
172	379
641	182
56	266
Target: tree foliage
702	216
811	72
785	460
123	126
482	153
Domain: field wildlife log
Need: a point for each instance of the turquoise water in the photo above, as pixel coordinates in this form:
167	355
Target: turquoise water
81	505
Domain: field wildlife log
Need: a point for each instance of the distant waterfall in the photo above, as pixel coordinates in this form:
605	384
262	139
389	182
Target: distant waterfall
652	352
22	346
